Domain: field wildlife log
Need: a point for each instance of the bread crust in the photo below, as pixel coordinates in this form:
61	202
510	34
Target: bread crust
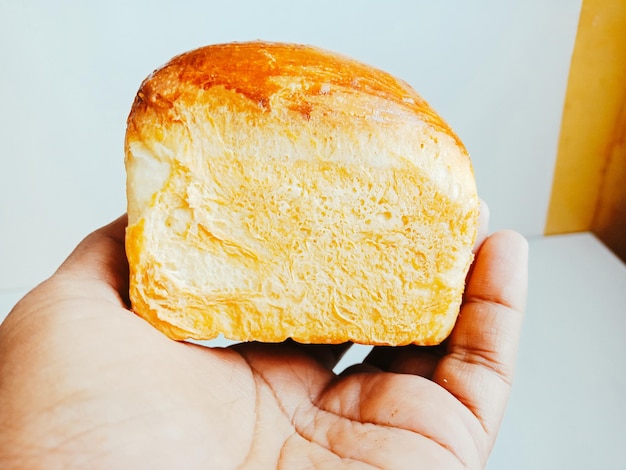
281	191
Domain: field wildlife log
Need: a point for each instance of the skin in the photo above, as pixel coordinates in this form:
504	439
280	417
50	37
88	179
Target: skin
84	383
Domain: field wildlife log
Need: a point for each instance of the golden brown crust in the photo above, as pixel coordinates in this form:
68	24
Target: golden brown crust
279	190
251	69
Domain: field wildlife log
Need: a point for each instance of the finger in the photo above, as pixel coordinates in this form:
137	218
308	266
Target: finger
362	368
101	257
414	360
478	366
326	354
483	225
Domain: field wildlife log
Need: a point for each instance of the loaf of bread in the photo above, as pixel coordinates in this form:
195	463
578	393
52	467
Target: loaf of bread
282	191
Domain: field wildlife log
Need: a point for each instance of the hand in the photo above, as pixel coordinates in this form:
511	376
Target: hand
84	383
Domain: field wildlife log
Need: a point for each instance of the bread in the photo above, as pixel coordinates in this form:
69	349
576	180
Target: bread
282	191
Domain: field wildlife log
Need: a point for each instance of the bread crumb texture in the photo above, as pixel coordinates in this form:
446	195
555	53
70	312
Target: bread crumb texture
280	191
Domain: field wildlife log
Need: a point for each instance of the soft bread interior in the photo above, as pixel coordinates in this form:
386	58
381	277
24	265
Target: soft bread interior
353	221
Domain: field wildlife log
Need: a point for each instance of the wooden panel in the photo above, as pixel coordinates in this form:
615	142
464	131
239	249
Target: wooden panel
595	96
609	222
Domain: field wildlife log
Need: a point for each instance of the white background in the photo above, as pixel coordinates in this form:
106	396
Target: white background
496	71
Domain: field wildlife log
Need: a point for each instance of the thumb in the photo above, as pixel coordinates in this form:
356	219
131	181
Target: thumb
101	257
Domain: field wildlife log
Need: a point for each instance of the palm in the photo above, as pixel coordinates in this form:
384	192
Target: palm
104	389
383	419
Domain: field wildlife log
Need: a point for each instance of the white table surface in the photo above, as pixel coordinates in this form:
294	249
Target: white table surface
567	409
